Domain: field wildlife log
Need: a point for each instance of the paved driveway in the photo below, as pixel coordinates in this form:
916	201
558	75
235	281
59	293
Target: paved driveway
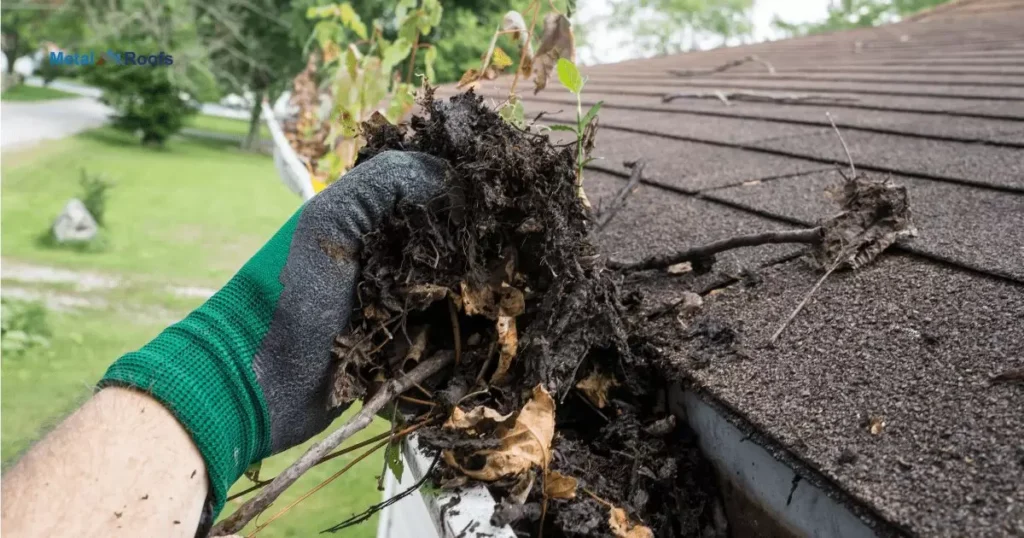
24	124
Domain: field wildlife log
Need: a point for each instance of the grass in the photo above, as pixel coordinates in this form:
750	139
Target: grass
24	92
189	214
216	124
193	211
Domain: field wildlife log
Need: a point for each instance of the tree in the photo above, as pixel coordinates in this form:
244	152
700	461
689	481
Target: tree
27	26
844	14
670	26
152	99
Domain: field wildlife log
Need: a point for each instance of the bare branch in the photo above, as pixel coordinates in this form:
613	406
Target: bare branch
387	393
620	197
758	97
803	303
724	67
810	236
853	169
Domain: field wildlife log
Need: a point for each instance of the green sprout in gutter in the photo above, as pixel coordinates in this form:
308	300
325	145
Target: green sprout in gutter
586	124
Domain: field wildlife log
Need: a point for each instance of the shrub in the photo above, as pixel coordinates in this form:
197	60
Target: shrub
23	325
145	100
94	195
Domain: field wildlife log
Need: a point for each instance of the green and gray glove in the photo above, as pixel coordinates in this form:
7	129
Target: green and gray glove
248	372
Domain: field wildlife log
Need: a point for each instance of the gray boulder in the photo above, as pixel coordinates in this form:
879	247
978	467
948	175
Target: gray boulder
75	223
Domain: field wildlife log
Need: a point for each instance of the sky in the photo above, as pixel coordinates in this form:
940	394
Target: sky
605	45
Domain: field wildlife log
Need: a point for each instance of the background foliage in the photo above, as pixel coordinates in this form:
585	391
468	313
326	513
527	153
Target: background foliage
843	14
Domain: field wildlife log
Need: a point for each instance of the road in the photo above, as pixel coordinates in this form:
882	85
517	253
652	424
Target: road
24	124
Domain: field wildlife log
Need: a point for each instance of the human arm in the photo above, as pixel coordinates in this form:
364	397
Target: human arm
248	373
121	465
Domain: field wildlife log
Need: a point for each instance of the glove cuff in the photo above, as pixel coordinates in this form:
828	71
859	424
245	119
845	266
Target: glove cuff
201	370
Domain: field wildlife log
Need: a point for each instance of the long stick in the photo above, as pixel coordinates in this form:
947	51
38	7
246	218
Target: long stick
360	420
811	236
620	198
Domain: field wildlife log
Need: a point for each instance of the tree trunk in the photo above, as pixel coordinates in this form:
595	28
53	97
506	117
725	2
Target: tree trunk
254	122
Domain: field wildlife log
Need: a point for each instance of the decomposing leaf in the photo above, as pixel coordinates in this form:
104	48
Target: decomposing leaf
421	296
514	21
559	486
622	527
680	268
478	421
875	215
557	41
596	386
876	425
521	490
468	78
477	300
490	73
512	112
525	445
500	60
508	343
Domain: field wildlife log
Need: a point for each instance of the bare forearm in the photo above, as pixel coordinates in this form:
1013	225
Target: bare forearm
121	465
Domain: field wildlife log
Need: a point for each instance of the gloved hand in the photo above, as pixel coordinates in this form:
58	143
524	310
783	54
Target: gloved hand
248	372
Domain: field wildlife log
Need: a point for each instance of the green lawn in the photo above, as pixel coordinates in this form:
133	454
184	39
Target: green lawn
23	92
216	124
192	212
187	215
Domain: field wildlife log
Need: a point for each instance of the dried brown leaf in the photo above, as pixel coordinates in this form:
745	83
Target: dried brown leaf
876	425
596	386
469	77
478	421
622	527
559	486
421	296
515	22
557	41
875	215
526	445
512	302
477	300
508	343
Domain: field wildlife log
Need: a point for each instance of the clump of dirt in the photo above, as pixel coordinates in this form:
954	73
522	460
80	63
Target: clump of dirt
502	269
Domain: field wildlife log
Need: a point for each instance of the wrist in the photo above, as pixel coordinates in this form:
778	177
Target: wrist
200	369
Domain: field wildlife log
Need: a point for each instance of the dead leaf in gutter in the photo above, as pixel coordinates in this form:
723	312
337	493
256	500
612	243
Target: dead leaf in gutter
559	486
596	386
477	300
622	527
557	42
421	296
508	343
478	421
680	268
526	445
876	425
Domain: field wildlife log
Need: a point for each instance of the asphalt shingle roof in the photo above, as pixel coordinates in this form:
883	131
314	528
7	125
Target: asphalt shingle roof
937	104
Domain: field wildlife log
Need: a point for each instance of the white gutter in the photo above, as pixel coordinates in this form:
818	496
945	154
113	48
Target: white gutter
293	173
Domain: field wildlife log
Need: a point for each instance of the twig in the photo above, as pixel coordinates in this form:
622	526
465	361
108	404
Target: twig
329	457
417	401
810	236
853	169
318	487
455	330
620	197
800	306
359	518
725	67
391	444
755	96
360	420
